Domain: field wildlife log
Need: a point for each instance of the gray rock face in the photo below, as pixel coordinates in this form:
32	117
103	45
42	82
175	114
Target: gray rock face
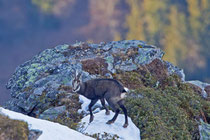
35	84
34	134
52	113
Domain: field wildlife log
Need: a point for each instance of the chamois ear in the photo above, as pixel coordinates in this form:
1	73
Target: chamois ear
78	75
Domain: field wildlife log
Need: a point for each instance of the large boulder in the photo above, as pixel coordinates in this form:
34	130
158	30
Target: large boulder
36	84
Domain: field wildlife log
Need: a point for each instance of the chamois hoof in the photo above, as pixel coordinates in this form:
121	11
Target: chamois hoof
107	112
125	125
110	122
91	119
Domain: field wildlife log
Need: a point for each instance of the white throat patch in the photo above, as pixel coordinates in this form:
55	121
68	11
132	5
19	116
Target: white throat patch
77	89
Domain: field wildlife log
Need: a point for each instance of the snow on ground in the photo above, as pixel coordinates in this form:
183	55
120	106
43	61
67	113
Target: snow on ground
50	130
99	126
99	123
199	83
85	102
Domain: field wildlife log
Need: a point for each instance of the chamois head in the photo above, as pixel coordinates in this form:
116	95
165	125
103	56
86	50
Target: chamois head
76	82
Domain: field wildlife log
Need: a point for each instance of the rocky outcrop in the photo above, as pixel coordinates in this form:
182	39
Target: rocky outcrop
35	84
52	113
41	87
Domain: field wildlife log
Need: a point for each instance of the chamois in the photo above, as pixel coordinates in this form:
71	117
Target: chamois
102	89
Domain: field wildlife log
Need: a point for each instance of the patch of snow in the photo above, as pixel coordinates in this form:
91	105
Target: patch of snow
99	123
99	126
85	102
199	83
50	130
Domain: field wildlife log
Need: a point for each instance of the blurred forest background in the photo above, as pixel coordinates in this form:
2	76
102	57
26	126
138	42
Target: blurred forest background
180	27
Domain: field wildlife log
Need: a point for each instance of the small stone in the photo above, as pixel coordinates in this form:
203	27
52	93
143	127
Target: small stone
34	134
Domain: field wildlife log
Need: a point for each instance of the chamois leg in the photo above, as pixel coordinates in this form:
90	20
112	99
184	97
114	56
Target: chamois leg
125	113
103	104
115	117
113	104
90	106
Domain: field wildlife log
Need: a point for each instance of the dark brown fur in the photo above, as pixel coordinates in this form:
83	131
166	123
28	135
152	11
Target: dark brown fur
108	89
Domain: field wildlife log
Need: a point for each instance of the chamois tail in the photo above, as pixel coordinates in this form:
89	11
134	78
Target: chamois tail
125	89
124	92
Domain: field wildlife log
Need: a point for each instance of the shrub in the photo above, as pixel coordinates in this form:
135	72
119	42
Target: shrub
13	129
